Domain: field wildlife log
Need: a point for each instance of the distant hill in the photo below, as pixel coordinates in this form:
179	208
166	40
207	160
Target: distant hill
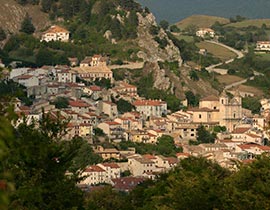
175	10
252	22
201	21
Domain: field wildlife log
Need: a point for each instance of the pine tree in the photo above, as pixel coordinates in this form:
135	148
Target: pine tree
3	35
27	25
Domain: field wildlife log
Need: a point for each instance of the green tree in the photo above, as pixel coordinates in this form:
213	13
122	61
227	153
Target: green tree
193	100
193	75
247	189
252	104
61	102
44	57
166	146
3	35
27	25
174	29
39	163
204	136
124	106
164	24
85	156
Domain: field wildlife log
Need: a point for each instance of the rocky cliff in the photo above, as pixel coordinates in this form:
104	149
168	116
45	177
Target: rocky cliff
151	53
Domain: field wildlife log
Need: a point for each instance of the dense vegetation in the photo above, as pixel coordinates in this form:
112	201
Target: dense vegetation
87	22
196	183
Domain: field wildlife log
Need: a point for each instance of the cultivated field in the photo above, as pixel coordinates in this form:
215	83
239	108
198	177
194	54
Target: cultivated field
250	89
218	51
228	79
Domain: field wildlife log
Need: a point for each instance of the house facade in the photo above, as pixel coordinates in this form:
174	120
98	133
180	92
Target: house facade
202	32
149	108
55	33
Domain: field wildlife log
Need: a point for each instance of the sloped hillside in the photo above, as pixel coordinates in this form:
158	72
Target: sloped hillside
12	14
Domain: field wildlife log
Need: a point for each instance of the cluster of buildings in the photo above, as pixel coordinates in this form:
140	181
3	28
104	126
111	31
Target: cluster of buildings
89	107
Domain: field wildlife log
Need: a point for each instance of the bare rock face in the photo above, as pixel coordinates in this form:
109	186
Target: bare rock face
152	52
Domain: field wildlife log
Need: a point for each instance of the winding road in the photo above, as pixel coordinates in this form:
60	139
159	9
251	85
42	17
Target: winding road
214	67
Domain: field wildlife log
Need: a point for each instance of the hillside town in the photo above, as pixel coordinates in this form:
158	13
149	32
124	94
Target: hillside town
88	107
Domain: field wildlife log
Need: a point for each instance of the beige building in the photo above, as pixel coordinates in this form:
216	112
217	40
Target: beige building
140	166
149	108
108	108
112	171
107	153
92	73
223	111
55	33
93	175
202	32
263	46
113	129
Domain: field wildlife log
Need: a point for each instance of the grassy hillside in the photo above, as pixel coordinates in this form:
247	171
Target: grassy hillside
252	22
217	51
201	21
12	14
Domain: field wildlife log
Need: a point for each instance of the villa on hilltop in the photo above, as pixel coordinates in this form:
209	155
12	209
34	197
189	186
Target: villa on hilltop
55	33
263	46
202	32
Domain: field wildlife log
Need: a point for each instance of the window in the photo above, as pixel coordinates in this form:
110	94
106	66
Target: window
200	116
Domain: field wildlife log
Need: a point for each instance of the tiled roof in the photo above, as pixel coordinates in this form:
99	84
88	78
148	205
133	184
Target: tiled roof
56	29
111	165
210	98
148	103
127	183
240	130
95	88
94	169
78	104
24	77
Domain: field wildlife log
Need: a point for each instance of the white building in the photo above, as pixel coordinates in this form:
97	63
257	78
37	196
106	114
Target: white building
149	108
141	166
65	76
93	175
263	46
55	33
112	171
27	80
202	32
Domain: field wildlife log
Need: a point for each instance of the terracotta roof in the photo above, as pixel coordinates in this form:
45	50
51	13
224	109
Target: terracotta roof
111	165
78	104
95	88
253	135
94	169
24	77
204	109
172	160
127	183
92	69
179	154
263	42
240	130
210	98
148	103
112	123
56	29
148	156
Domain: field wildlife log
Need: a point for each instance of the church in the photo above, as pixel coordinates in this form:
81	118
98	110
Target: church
222	110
